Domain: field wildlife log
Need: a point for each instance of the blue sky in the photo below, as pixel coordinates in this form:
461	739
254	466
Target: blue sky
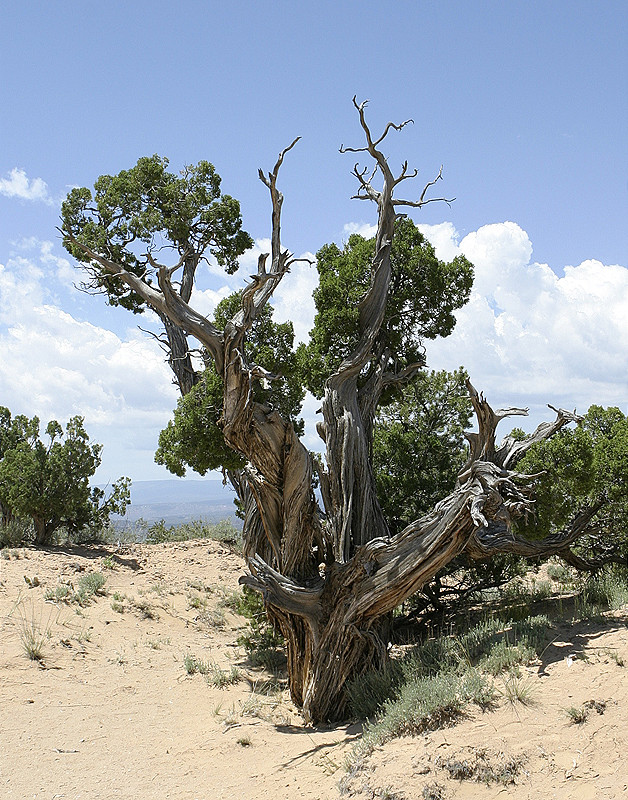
524	103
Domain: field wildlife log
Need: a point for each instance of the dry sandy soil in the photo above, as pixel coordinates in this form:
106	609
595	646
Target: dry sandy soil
111	712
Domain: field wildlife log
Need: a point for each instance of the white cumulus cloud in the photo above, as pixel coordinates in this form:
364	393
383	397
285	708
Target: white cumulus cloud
18	184
56	366
529	336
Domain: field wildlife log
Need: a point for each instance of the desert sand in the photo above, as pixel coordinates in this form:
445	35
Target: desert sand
110	711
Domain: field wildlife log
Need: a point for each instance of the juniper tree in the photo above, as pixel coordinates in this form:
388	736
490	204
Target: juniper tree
330	574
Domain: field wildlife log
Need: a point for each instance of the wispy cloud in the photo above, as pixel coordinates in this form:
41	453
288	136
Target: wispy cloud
17	184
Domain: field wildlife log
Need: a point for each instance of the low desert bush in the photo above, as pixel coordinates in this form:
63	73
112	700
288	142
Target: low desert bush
477	764
34	635
16	533
214	675
88	586
223	531
437	680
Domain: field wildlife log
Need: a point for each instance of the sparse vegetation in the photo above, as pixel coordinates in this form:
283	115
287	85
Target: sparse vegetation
478	764
145	609
223	531
212	618
577	715
214	675
433	791
517	690
486	650
34	636
453	673
88	587
437	680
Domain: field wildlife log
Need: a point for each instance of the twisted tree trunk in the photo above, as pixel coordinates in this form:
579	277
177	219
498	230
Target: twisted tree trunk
331	579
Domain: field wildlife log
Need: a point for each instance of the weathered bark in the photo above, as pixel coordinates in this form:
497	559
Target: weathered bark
179	357
330	580
43	531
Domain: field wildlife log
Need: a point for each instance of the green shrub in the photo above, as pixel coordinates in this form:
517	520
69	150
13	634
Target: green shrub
559	573
423	704
60	594
503	657
263	644
223	531
609	588
89	585
437	679
368	691
16	533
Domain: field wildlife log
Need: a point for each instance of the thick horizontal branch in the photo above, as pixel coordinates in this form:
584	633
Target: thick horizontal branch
500	539
282	592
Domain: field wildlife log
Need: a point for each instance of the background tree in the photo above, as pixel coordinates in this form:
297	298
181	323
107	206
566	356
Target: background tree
13	431
331	576
581	494
48	482
419	445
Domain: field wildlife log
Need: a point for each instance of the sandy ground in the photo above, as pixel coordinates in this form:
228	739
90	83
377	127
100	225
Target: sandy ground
111	712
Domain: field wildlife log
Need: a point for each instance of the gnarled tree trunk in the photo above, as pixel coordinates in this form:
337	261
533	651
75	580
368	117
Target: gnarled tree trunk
330	578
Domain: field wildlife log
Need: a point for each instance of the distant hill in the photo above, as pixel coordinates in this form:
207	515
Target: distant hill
177	501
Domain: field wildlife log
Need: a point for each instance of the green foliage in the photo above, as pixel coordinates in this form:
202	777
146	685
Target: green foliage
89	585
147	207
48	482
419	445
14	431
15	532
193	438
489	648
424	292
608	589
583	467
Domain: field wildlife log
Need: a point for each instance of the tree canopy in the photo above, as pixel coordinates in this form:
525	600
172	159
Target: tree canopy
132	215
583	472
419	445
423	294
48	481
